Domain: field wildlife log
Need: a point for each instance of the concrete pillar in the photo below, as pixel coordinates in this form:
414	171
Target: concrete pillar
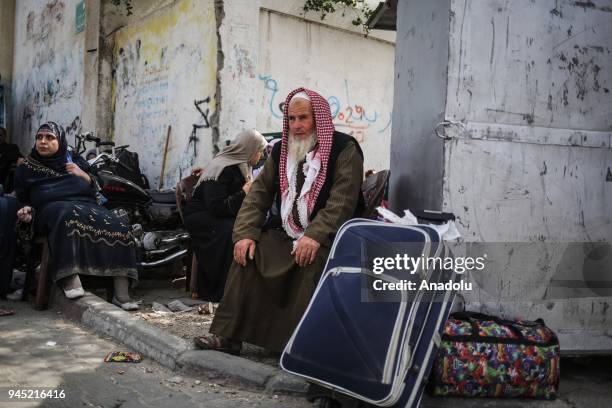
89	118
7	36
97	76
418	105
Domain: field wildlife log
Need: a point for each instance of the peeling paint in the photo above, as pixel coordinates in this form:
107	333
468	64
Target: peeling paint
163	63
47	82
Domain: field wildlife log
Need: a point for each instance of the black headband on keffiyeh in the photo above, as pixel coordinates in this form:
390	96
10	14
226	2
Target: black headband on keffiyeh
324	128
57	161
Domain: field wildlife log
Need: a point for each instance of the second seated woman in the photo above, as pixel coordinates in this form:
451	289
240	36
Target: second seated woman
210	213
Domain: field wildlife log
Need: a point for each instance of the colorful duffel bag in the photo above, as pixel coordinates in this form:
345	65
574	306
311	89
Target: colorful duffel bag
485	356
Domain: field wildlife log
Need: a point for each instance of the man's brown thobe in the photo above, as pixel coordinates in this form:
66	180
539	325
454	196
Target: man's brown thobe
264	301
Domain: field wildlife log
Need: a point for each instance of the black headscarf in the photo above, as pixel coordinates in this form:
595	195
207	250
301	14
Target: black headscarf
57	161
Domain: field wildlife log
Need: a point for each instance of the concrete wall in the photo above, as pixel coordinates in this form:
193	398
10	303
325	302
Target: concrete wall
162	64
419	101
48	68
129	78
266	57
7	26
237	67
293	53
216	50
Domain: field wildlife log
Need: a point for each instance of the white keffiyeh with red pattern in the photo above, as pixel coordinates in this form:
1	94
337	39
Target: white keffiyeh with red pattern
315	167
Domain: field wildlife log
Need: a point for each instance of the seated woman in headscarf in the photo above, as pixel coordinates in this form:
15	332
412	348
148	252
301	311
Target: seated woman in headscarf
210	213
84	238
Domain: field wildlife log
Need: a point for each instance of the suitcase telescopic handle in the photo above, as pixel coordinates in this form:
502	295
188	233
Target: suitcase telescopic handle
433	216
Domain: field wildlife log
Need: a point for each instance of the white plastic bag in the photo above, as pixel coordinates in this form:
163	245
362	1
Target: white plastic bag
448	231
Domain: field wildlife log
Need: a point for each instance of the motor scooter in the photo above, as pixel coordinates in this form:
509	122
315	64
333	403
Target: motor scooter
152	214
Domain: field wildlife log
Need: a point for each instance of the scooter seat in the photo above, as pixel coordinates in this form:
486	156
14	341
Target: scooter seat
163	196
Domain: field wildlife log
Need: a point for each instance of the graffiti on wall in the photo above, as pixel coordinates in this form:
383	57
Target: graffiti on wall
144	85
72	129
151	98
191	149
353	118
47	81
165	76
244	63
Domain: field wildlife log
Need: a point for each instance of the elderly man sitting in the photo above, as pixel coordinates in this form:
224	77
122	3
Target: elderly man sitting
309	186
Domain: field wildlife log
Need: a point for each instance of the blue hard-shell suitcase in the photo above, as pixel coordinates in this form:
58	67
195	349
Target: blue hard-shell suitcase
376	347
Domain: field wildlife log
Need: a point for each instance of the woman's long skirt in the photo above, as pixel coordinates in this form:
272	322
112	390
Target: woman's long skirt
211	240
86	239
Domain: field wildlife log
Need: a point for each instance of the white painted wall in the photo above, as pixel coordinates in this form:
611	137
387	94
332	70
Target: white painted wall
238	83
165	57
163	63
354	73
267	57
47	68
342	18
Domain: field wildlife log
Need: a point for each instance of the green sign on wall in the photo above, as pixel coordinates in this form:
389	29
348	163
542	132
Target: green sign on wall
79	21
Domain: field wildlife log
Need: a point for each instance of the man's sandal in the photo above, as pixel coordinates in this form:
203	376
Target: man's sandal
212	342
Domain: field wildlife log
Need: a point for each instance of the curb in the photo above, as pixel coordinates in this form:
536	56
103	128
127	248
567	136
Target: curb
110	320
170	350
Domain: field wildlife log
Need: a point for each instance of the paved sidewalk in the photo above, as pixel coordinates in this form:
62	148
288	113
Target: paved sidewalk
584	383
170	350
42	349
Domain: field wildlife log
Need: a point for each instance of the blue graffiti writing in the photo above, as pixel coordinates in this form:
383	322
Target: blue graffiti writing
152	99
354	118
387	125
271	85
334	105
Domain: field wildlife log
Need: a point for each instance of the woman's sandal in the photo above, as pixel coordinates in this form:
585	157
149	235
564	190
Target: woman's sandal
6	312
212	342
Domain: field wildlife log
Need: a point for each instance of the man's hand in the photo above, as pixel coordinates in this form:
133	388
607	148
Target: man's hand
75	170
25	214
197	171
240	251
247	187
305	251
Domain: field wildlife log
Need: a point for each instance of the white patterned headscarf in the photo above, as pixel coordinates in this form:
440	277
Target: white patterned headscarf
240	151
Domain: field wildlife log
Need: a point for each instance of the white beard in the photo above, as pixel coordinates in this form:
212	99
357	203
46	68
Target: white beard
298	148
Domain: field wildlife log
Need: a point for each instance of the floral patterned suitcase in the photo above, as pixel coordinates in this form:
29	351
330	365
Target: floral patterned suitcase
484	356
